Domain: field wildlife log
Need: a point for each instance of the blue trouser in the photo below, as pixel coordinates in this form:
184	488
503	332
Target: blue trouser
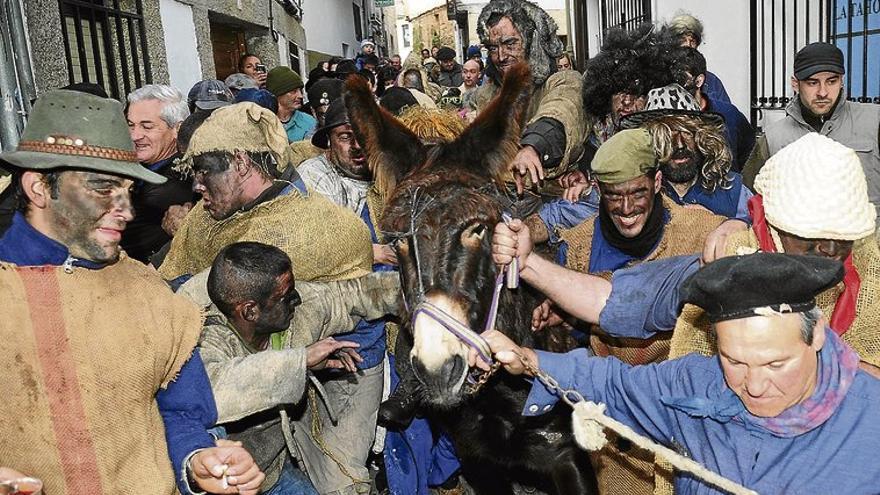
292	482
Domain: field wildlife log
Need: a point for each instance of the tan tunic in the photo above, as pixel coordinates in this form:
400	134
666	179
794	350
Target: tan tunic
85	353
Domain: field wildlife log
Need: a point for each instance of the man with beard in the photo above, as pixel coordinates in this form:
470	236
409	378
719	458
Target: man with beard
821	106
450	71
100	367
517	31
635	224
694	157
342	174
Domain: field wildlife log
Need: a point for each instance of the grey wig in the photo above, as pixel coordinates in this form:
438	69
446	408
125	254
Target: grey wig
537	29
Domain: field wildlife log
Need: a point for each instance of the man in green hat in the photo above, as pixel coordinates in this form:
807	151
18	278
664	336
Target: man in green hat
636	223
287	86
93	373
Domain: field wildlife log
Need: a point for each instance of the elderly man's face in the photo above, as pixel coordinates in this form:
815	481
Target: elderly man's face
89	213
470	73
346	153
819	92
292	100
447	65
829	248
767	363
630	203
395	62
623	104
506	45
154	140
221	190
426	53
685	161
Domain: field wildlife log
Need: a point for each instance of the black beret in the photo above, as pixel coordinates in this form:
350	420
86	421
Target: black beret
396	99
445	53
736	286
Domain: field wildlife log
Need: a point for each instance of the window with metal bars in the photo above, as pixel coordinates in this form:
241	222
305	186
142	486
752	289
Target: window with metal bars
105	43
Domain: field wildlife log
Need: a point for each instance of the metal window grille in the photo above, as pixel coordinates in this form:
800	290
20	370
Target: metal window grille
293	55
106	44
626	14
779	28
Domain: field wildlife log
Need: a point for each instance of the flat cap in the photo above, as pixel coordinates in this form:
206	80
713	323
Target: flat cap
760	284
625	156
818	57
445	53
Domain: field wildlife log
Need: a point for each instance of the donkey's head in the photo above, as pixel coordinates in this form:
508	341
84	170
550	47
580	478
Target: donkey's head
441	216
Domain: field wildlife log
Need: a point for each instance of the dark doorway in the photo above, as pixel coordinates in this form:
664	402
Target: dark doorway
229	45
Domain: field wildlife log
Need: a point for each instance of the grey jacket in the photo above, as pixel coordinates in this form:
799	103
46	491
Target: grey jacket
855	125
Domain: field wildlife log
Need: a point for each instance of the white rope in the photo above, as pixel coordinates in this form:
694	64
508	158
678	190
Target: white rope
589	419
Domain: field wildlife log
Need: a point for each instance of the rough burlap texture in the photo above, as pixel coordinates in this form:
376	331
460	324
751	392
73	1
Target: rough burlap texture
298	152
324	241
632	472
244	126
85	354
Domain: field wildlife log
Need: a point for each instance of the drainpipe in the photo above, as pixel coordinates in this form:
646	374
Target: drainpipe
9	117
22	53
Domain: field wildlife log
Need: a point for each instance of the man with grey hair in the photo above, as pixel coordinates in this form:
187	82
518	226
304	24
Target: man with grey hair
154	114
515	31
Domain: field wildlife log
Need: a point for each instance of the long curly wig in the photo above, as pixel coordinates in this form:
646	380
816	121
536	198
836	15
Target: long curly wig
631	62
709	139
536	27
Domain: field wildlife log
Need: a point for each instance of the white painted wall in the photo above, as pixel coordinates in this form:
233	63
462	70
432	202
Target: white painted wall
725	44
184	67
328	24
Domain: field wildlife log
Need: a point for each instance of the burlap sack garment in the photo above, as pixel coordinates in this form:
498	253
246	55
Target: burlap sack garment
85	354
632	471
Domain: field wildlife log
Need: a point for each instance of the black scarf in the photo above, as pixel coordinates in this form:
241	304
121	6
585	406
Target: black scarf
817	121
642	244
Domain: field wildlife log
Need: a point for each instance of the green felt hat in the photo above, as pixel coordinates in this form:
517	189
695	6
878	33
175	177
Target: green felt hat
626	155
71	129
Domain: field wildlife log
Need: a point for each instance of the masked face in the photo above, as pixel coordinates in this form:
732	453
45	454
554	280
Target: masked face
89	213
819	92
630	203
623	104
346	153
395	62
829	248
686	160
767	363
506	45
221	190
277	312
154	140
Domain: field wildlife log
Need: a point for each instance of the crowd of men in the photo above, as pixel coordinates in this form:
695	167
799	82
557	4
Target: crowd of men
199	298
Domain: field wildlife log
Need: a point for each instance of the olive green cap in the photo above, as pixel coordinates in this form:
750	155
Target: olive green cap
71	129
627	155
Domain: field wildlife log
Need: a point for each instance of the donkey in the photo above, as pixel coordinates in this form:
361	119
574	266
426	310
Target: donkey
440	219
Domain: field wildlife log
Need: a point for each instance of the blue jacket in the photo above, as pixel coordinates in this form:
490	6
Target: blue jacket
835	457
739	132
731	203
187	405
714	88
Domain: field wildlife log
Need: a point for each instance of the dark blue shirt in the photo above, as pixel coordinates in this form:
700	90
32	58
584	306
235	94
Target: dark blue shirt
739	132
731	203
187	405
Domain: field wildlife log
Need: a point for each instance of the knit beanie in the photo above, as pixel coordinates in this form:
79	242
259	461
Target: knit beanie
815	188
281	80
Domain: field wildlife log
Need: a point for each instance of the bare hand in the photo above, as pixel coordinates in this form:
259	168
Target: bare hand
544	316
716	242
261	79
526	162
226	468
384	254
332	353
574	183
506	352
511	241
174	217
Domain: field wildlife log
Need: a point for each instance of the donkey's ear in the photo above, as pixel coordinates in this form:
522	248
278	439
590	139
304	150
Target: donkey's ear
496	131
393	150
